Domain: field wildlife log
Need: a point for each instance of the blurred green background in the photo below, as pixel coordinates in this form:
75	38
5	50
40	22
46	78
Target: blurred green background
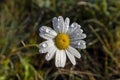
19	38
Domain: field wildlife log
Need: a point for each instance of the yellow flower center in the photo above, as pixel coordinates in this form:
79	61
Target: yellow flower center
62	41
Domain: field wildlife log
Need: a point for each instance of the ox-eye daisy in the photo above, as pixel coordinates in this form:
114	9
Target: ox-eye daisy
61	41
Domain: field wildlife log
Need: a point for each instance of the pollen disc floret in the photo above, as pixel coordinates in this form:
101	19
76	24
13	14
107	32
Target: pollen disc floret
62	41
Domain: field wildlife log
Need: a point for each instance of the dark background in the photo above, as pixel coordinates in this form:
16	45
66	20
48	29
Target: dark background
20	21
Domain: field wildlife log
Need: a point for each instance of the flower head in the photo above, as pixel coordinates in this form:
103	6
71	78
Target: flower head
62	41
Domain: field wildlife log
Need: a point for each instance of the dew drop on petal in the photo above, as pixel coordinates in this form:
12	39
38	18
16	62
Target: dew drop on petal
79	26
47	56
41	29
58	19
72	26
42	51
79	43
47	30
81	30
44	45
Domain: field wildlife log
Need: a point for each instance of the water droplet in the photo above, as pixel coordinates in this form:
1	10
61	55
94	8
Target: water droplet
67	26
48	55
59	18
42	51
58	27
44	45
79	43
72	26
81	31
47	30
84	43
79	26
41	29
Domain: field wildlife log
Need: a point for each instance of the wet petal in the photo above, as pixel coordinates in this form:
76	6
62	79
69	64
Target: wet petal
74	26
50	53
79	44
71	57
60	59
74	52
77	36
57	59
47	32
78	30
63	58
61	24
55	24
67	22
44	46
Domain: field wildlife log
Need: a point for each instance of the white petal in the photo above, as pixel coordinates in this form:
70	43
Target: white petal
67	22
57	59
63	58
61	24
60	59
55	24
74	52
47	32
77	36
44	46
77	30
79	44
71	57
74	26
50	53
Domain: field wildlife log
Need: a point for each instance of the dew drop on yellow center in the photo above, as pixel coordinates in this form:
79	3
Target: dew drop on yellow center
62	41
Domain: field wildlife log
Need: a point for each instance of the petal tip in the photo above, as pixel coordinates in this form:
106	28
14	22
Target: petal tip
74	63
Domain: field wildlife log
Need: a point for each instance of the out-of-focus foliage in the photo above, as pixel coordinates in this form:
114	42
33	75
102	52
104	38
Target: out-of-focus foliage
19	38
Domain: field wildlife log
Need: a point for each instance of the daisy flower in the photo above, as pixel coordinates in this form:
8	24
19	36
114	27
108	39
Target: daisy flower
62	41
